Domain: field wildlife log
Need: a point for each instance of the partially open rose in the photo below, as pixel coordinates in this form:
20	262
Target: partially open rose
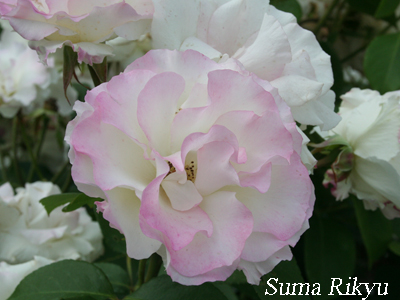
84	25
197	161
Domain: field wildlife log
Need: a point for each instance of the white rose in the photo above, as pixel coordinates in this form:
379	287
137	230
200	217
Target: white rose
26	230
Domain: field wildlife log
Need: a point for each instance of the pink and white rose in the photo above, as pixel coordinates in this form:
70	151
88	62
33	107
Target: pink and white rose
369	166
83	25
268	42
27	231
198	161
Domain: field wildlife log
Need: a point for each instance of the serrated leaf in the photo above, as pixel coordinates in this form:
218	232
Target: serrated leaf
162	288
80	201
52	202
65	280
291	6
329	252
285	272
382	63
70	62
376	230
386	8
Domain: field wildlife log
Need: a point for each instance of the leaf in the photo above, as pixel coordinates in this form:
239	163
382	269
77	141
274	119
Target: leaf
52	202
290	6
330	252
70	61
118	277
226	289
285	272
382	63
65	280
162	288
80	201
376	230
386	8
99	72
112	237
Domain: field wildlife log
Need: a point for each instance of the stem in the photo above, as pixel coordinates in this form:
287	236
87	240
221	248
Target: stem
30	151
141	273
14	150
38	147
3	169
155	263
129	268
67	183
59	173
325	17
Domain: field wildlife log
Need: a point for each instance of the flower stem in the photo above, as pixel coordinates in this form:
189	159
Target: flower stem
30	151
129	268
15	150
141	273
39	146
155	263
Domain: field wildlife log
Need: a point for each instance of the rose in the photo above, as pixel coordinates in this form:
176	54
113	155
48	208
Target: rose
268	42
21	75
197	161
11	275
50	24
26	230
369	165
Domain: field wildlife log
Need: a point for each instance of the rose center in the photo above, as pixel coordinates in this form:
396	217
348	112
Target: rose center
190	168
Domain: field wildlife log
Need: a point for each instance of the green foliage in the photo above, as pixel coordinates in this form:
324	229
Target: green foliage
285	272
75	200
162	288
382	63
67	279
330	252
291	6
112	237
386	8
118	277
376	230
70	62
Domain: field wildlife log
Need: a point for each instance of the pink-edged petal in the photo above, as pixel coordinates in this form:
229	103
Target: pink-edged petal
232	225
269	53
98	140
254	270
183	196
288	202
123	213
260	180
214	169
173	228
228	90
260	144
155	116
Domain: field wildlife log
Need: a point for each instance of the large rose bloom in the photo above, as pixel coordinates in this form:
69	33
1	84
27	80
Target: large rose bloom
370	162
84	25
197	161
268	42
27	231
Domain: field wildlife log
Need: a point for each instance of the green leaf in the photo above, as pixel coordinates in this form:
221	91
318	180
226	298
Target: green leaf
112	237
226	289
386	8
290	6
80	201
52	202
285	272
382	63
65	280
330	252
162	288
395	247
376	230
118	277
70	62
99	72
